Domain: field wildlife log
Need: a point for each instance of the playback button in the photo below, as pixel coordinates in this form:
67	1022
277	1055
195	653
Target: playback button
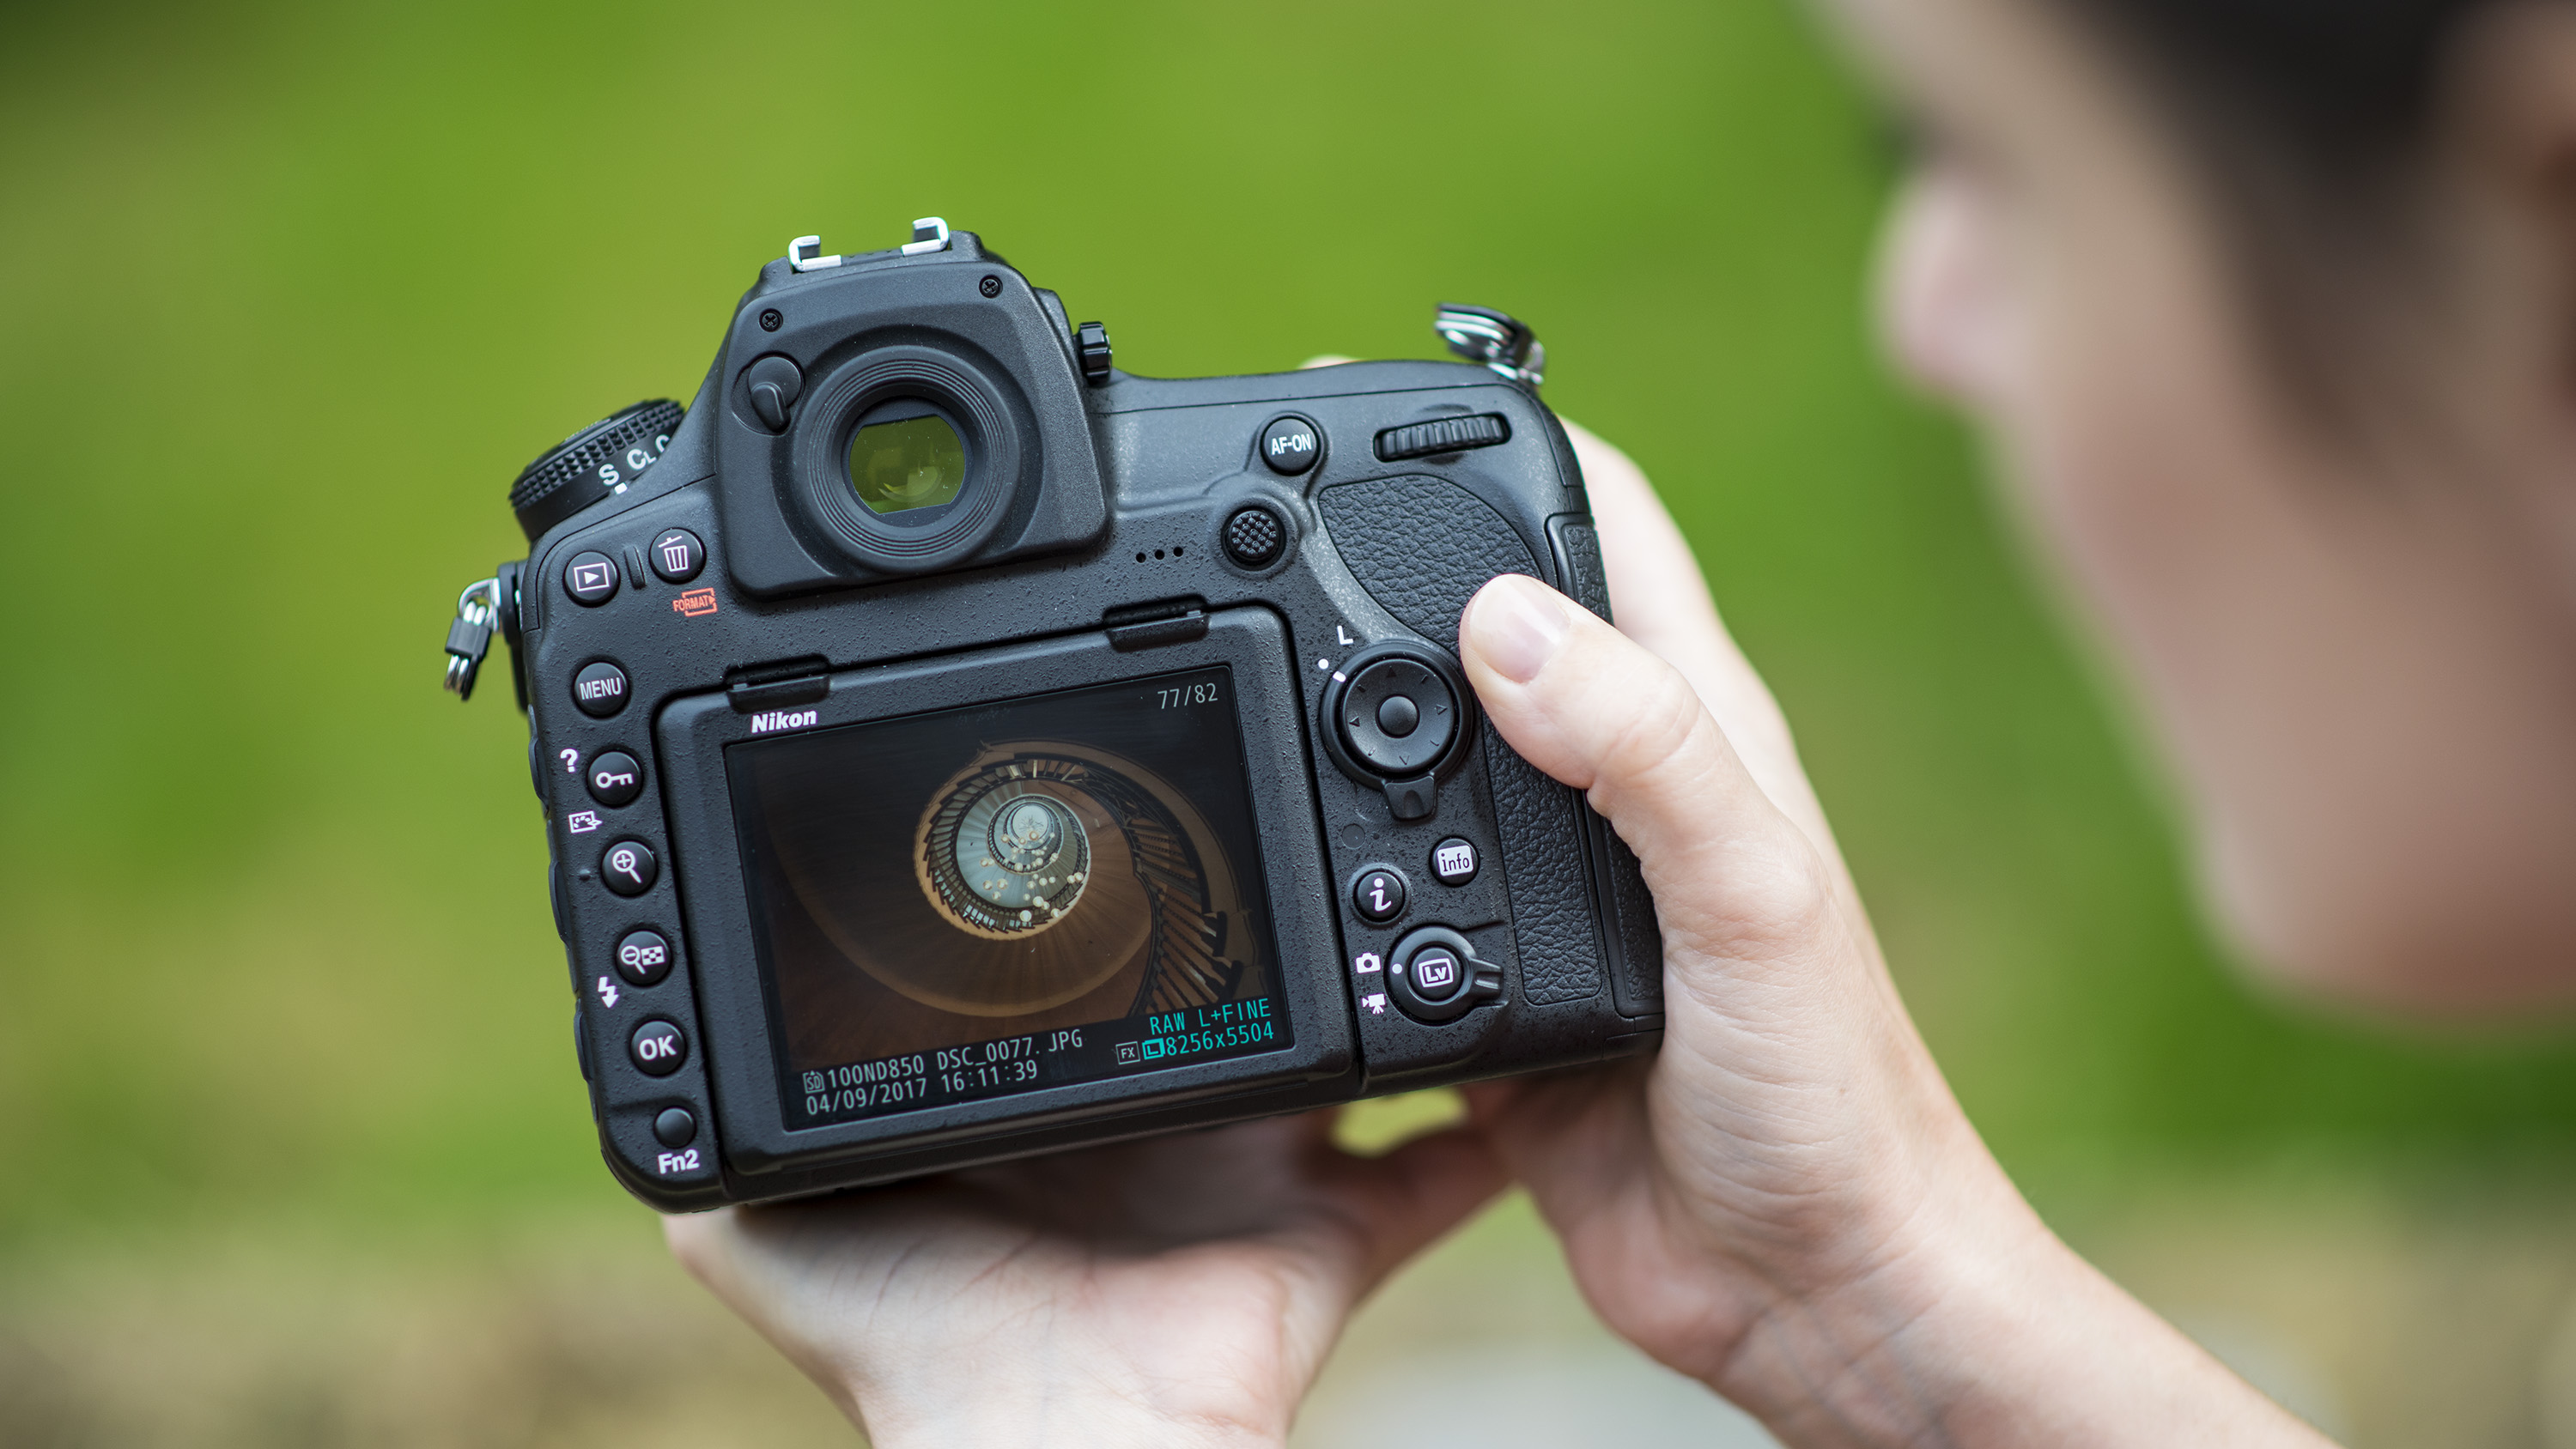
591	578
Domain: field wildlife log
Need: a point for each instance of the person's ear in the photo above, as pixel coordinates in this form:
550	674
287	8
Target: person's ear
1941	283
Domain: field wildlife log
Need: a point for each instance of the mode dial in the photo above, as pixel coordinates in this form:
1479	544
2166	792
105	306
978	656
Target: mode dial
597	462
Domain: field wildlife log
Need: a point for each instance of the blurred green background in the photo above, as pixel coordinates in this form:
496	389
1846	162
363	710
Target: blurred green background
289	293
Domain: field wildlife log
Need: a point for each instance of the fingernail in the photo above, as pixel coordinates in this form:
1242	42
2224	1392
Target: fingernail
1518	627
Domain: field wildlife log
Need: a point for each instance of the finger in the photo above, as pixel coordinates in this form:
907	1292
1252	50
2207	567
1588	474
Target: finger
1397	1204
1660	599
750	1277
1591	708
1325	359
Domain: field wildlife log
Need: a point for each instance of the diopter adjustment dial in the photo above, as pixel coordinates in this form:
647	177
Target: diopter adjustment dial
599	461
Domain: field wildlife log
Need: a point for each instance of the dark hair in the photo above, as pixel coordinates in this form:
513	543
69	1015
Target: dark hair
2349	83
2309	120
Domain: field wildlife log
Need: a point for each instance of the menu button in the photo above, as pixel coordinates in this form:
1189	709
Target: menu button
600	689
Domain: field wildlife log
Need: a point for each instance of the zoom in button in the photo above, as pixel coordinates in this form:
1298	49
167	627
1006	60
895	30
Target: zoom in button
628	868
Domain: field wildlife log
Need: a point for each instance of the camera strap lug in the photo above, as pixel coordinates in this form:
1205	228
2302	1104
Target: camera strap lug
1497	339
469	635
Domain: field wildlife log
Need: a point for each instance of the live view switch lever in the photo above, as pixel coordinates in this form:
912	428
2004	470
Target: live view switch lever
1435	977
1396	719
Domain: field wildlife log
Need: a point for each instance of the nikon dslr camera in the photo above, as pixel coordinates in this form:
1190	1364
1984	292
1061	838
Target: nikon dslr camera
954	748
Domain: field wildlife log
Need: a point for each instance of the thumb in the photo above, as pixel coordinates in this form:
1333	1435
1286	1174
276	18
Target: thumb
1588	706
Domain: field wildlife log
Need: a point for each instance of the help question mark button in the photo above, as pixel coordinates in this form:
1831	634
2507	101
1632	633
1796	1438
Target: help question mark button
614	778
628	867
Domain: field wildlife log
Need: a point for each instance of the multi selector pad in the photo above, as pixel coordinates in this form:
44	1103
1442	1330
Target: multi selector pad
1395	715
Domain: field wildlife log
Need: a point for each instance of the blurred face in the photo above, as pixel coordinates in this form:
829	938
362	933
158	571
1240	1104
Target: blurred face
2361	669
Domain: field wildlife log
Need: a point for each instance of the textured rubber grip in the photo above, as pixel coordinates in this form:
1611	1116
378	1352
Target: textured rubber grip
1422	547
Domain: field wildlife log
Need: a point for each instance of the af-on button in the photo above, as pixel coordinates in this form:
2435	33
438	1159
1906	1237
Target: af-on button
1291	445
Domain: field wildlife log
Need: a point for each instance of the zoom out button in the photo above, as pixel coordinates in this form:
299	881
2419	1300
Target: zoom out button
643	958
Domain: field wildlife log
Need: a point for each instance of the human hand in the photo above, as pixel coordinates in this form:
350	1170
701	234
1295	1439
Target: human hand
1178	1291
1786	1203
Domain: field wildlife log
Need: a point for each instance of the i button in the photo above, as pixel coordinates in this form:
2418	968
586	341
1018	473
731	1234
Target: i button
1378	895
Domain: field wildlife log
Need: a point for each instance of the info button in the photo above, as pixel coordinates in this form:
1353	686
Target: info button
1454	861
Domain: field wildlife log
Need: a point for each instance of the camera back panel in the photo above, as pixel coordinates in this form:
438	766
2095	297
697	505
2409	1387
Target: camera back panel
1261	586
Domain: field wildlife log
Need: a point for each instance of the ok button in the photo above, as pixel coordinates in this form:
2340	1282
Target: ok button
657	1048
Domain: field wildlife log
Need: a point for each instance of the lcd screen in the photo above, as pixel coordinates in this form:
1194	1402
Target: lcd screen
1006	897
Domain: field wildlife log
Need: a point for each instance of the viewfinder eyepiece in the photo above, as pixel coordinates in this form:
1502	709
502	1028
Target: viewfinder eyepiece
912	463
